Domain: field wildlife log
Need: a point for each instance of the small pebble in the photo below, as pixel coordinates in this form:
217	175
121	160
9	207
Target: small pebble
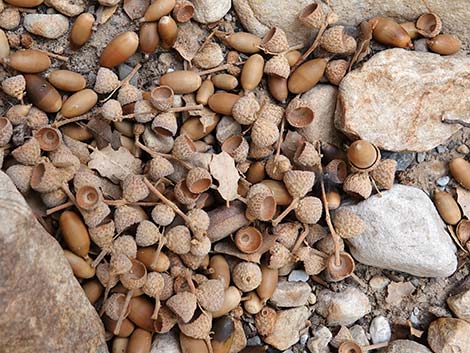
380	330
420	157
443	181
378	282
298	276
312	299
463	149
304	339
359	335
254	341
420	45
441	149
414	317
124	70
404	159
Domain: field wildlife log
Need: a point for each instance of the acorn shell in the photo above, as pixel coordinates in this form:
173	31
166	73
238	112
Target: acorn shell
363	156
96	216
429	25
444	44
307	155
103	234
199	327
183	11
262	206
341	271
165	124
210	295
106	81
348	224
121	48
299	182
277	66
248	240
312	16
336	171
264	133
265	321
447	207
306	75
246	276
299	113
42	94
126	216
200	246
287	233
159	167
279	256
183	195
271	112
277	166
154	284
134	188
237	147
114	306
309	210
336	70
46	177
136	277
20	175
336	40
358	185
162	97
17	114
183	148
125	245
275	41
387	31
460	170
198	180
384	173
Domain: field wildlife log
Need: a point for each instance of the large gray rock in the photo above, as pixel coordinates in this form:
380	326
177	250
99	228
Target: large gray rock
258	16
404	233
406	346
398	98
42	306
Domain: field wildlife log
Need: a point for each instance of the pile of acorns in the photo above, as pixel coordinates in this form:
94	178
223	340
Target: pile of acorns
155	243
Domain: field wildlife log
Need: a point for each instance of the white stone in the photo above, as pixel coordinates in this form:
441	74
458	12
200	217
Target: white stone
208	11
298	276
291	294
319	342
47	26
460	305
359	335
380	330
286	330
404	233
378	282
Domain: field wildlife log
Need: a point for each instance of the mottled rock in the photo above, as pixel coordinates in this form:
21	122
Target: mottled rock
258	16
287	327
319	342
404	112
406	346
404	233
447	335
323	100
47	26
359	335
39	296
460	305
343	308
291	294
208	11
166	343
380	330
69	8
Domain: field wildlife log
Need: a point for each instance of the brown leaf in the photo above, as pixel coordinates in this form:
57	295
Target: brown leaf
363	43
135	8
108	12
463	199
114	165
223	169
190	35
101	131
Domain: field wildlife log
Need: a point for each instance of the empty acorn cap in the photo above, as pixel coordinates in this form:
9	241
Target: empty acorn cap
429	25
144	112
106	278
126	216
114	305
279	256
103	234
363	156
244	110
287	233
313	262
200	246
336	40
198	221
183	195
275	41
28	153
106	81
183	147
199	327
335	71
14	86
246	276
265	321
125	244
198	180
111	110
299	113
147	234
248	240
312	16
277	66
178	239
17	114
162	97
264	133
349	347
343	270
384	173
20	175
309	210
46	177
136	277
134	188
154	284
348	224
88	197
210	294
277	166
336	171
94	217
299	182
49	138
129	94
163	214
262	206
237	147
307	155
159	167
272	112
358	185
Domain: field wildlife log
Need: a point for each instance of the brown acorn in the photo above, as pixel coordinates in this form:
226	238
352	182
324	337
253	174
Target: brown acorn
81	31
460	170
336	40
205	91
223	102
336	70
444	44
168	31
264	133
265	321
210	295
277	86
162	97
252	72
429	25
79	103
66	80
163	215
148	38
140	341
363	156
275	41
344	269
334	199
42	94
29	61
225	82
246	276
463	231
312	16
20	175
306	75
447	207
224	334
181	82
106	81
277	66
232	299
358	185
248	240
219	269
384	173
157	10
410	28
80	267
386	31
243	42
121	48
237	147
348	224
309	210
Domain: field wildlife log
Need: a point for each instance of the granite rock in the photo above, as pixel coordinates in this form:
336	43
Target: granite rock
208	11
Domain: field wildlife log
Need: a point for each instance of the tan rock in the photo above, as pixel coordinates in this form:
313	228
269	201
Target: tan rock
208	11
47	26
287	327
460	305
69	8
291	294
447	335
406	346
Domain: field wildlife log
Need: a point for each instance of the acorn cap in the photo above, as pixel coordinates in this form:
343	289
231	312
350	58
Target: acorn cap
141	110
257	152
183	195
14	86
49	138
200	247
275	41
245	108
88	197
18	113
103	234
198	221
20	175
165	124
384	173
336	40
147	234
237	147
165	321
62	157
125	244
198	180
315	233
163	214
6	131
246	276
129	94
264	133
309	210
37	119
46	177
336	70
183	304
429	25
94	217
178	239
277	166
106	81
112	110
348	224
350	347
193	262
271	112
126	216
287	233
210	295
154	284
363	156
307	155
28	153
279	256
159	167
262	206
299	182
314	264
199	327
104	275
120	263
265	321
136	277
248	240
336	171
162	97
358	185
341	271
134	188
183	148
167	291
277	66
259	188
299	113
312	16
114	305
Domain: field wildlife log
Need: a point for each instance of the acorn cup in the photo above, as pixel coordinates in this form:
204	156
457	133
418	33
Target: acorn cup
178	239
29	153
199	327
363	156
336	171
275	41
279	256
313	260
210	295
244	110
198	180
348	224
350	347
307	155
277	166
88	197
183	11
162	214
96	216
162	97
129	94
153	287
247	276
147	234
309	210
46	177
463	231
384	173
335	40
264	133
277	66
183	304
198	221
49	138
125	216
237	147
183	148
183	195
312	16
6	131
261	205
14	86
386	31
134	189
111	110
336	70
344	269
429	25
159	167
106	81
17	114
248	240
265	321
108	280
299	113
201	246
358	185
20	175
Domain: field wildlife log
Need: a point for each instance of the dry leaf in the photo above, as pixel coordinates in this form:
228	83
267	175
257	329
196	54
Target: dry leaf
463	198
190	35
135	8
108	12
223	169
413	331
397	291
114	165
363	44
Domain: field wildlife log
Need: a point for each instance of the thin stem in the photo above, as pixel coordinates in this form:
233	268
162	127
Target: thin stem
375	346
375	186
123	312
156	309
279	142
52	55
186	108
300	239
314	45
279	218
123	82
100	257
60	123
161	242
189	279
125	202
218	68
59	208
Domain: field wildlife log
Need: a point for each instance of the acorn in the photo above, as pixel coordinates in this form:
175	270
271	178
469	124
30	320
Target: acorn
183	11
252	72
6	131
271	112
256	172
75	233
14	86
460	170
384	173
114	305
198	180
111	110
193	262
348	224
343	270
275	41
261	205
336	70
429	25
358	185
313	262
463	231
163	215
247	276
79	103
81	31
29	61
181	82
219	269
279	256
444	44
18	114
363	156
20	175
80	267
334	199
93	290
268	285
153	287
386	31
192	345
28	153
223	334
106	81
279	190
183	147
119	344
136	277
125	245
243	42
103	234
237	147
309	210
134	188
162	97
277	166
257	152
200	246
210	295
4	45
447	207
129	94
248	240
264	133
168	31
225	81
42	94
299	113
159	167
165	124
265	321
312	16
149	39
147	234
205	91
140	311
223	102
315	233
157	10
306	75
183	195
277	66
307	155
232	299
126	216
287	233
38	119
336	40
410	28
66	80
277	87
178	239
199	327
121	48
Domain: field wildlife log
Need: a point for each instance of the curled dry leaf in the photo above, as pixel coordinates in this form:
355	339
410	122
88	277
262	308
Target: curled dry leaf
135	8
223	169
114	165
190	35
463	199
363	43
